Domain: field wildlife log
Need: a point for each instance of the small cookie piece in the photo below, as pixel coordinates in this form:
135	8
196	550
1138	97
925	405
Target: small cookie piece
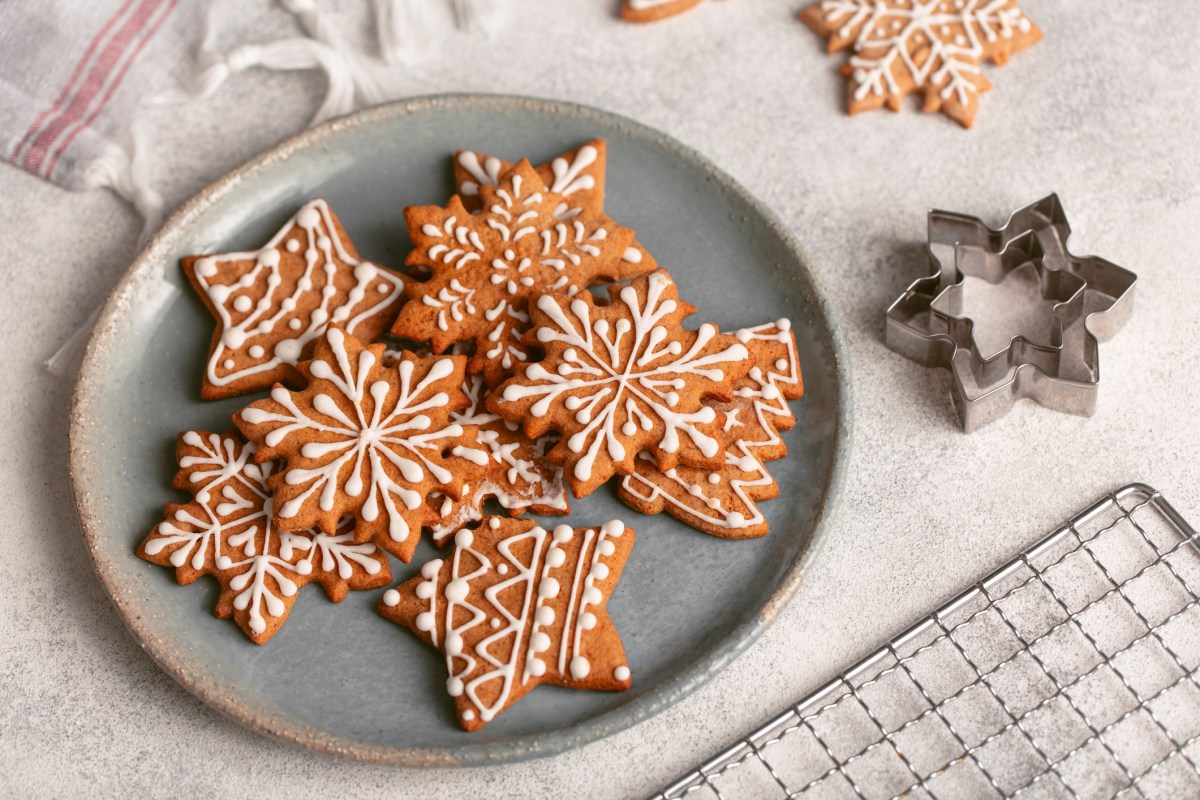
623	377
366	439
578	175
226	532
935	47
654	10
515	605
486	266
724	502
271	304
525	480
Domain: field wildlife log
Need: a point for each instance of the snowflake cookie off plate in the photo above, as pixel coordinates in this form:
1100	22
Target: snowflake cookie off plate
687	604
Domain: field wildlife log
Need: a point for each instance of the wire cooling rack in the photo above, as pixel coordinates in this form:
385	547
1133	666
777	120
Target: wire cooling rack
1069	672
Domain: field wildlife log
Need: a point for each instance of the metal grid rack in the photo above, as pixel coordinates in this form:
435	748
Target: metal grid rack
1072	672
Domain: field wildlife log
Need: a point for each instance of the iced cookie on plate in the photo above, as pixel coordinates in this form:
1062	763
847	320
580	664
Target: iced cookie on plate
724	502
369	438
271	304
227	532
624	377
485	267
654	10
513	605
578	175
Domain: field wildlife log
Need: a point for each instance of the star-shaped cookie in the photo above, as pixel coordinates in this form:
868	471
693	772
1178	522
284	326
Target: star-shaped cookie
934	47
227	532
578	175
724	502
367	438
271	304
514	605
485	267
621	378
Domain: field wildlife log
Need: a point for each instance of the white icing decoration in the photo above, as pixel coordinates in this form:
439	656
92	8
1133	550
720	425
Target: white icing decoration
768	402
270	310
621	673
396	432
603	385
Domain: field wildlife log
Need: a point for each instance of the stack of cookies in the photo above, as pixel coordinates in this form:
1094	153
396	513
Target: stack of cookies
488	374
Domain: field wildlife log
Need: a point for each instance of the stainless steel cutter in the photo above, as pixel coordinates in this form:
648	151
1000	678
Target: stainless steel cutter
1092	298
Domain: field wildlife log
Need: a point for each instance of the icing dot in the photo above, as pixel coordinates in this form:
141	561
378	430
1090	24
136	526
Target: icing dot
555	557
341	313
382	288
224	562
713	503
304	567
770	392
308	216
502	569
736	519
425	619
233	339
430	568
457	590
246	281
714	477
304	285
629	429
256	351
468	715
293	245
562	533
783	324
580	667
495	623
227	363
587	621
536	667
549	588
672	399
288	351
465	538
621	673
781	364
545	615
607	548
493	523
323	242
454	687
206	267
294	323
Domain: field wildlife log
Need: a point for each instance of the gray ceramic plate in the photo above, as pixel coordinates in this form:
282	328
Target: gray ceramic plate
339	678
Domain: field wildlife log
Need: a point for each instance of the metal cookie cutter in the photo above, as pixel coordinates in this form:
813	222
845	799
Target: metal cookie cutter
1092	299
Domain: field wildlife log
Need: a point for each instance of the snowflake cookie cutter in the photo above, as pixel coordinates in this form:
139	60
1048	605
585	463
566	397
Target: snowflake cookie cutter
1092	299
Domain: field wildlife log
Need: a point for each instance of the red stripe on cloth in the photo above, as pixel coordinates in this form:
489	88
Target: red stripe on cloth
70	86
114	84
93	84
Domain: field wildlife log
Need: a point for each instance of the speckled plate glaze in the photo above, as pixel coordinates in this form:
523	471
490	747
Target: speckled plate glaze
338	678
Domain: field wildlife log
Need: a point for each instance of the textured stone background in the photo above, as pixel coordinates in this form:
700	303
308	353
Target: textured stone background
1104	111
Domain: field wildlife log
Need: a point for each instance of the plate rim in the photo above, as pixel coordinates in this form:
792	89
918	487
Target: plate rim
289	729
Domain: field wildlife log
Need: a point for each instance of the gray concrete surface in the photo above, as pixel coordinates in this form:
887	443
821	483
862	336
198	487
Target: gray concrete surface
1104	111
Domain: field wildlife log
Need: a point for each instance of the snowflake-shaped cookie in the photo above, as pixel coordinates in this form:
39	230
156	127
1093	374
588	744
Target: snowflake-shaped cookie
486	266
271	304
367	439
935	47
578	175
622	378
525	480
723	502
227	532
515	605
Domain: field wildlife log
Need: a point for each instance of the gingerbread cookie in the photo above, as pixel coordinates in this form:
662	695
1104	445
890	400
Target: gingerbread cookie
525	480
654	10
272	304
486	266
514	605
934	47
367	439
578	175
623	377
227	532
724	502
